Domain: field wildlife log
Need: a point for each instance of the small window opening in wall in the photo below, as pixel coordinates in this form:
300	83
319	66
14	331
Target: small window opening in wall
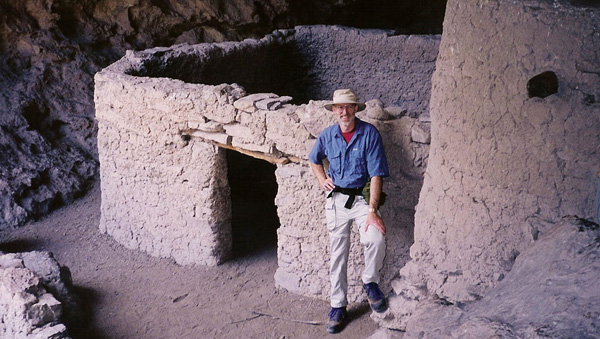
254	219
542	85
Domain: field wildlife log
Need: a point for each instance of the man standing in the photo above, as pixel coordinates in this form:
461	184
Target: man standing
356	158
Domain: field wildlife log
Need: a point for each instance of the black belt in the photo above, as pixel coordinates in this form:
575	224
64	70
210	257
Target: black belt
350	192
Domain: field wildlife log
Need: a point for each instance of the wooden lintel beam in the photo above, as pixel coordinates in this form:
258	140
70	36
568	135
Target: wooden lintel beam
254	154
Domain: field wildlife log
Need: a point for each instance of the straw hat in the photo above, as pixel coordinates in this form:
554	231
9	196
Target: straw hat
345	96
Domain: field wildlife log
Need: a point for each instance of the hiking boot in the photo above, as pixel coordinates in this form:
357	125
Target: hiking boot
337	317
376	297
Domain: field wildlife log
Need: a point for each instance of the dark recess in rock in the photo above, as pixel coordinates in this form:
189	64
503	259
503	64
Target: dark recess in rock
542	85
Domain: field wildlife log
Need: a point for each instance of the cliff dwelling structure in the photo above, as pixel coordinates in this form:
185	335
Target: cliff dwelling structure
492	131
515	134
172	121
511	154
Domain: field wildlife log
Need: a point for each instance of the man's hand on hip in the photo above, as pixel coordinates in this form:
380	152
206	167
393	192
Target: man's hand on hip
324	181
327	184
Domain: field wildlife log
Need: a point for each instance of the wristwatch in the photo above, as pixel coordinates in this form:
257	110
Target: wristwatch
371	209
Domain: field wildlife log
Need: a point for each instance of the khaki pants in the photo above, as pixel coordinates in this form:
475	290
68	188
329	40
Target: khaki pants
339	223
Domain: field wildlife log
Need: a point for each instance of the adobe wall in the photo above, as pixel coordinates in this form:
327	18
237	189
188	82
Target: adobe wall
166	115
504	167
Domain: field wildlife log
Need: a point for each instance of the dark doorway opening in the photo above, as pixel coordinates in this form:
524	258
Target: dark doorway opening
254	219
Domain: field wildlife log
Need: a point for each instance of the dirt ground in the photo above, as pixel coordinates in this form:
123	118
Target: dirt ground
129	294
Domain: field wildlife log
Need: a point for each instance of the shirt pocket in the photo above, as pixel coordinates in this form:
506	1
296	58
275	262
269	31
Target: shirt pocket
335	162
358	163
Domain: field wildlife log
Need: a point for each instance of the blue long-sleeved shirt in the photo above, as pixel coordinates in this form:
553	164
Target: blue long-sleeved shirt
351	165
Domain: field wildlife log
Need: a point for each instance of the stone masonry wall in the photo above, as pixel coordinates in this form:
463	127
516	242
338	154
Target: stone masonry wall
163	172
396	72
504	167
160	193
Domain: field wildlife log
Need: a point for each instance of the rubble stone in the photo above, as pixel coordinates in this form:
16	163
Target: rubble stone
35	299
421	133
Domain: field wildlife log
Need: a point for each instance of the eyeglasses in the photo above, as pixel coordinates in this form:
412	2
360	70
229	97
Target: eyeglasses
340	108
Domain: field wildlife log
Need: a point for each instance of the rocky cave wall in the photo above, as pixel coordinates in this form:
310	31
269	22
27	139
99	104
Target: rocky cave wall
161	144
505	167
